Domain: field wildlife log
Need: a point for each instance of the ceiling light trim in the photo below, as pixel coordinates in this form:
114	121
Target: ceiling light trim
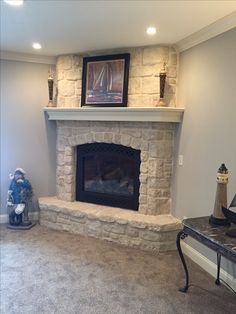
151	30
37	46
14	3
222	25
25	57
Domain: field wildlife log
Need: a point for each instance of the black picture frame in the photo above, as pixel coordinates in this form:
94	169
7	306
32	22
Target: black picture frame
105	81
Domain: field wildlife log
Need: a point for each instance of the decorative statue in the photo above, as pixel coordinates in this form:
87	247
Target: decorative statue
19	195
218	218
162	103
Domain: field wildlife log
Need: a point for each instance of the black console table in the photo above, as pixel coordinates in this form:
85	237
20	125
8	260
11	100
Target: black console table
212	237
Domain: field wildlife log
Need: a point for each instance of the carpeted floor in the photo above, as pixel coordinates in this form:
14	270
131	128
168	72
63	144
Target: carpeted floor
46	271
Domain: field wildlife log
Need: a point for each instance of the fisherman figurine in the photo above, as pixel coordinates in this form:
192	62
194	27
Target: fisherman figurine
19	195
218	218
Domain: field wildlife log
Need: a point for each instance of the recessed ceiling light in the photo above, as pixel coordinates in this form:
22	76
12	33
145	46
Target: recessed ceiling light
151	30
37	46
14	2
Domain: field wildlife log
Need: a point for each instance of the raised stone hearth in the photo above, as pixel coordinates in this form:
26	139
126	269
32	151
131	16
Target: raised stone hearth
148	232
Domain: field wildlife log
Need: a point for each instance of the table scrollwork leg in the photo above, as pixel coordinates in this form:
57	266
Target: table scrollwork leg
182	235
218	269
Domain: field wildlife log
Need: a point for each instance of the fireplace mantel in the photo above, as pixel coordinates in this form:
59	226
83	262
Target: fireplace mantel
150	114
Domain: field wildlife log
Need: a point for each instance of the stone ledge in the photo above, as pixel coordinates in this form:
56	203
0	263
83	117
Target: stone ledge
126	227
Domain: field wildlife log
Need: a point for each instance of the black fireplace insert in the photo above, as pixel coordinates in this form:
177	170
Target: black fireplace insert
108	174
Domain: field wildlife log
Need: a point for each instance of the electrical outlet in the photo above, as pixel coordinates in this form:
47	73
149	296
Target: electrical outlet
181	160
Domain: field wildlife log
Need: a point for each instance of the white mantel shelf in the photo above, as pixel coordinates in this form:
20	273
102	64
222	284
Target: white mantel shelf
150	114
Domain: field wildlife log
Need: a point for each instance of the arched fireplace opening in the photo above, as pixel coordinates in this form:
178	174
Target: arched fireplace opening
108	174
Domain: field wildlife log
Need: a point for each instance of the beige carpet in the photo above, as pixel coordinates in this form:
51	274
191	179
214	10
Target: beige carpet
45	271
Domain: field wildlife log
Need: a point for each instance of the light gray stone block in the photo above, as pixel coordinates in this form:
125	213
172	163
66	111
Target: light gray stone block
171	71
78	220
143	189
144	156
150	135
135	86
66	88
73	75
64	62
48	216
110	236
136	56
142	199
150	85
108	137
132	132
114	228
78	228
149	235
107	219
121	221
132	232
125	140
98	137
153	55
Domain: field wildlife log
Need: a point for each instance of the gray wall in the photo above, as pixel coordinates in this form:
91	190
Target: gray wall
27	138
207	89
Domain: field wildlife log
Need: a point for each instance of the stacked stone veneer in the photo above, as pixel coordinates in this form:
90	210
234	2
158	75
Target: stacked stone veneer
154	140
152	227
144	86
156	233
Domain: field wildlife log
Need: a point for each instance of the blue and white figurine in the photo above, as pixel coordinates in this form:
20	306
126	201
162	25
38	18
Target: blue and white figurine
19	195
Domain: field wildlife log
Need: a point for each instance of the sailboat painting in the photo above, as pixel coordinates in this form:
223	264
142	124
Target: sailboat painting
105	80
230	214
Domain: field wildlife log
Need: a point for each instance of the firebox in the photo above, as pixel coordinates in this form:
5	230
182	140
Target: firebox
108	174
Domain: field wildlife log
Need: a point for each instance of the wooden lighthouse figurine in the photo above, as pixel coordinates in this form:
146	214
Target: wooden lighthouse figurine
218	217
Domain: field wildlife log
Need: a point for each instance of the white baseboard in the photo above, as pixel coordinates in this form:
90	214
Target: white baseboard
208	265
34	216
4	219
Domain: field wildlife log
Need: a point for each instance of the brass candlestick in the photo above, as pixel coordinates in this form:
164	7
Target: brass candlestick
50	89
162	103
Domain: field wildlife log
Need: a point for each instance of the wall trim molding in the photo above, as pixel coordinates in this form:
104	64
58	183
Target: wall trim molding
34	216
220	26
207	265
26	57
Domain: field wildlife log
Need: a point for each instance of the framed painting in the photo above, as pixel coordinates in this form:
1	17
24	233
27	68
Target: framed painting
105	80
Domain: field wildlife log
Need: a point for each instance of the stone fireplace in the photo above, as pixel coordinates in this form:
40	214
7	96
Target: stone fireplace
150	226
139	212
153	140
